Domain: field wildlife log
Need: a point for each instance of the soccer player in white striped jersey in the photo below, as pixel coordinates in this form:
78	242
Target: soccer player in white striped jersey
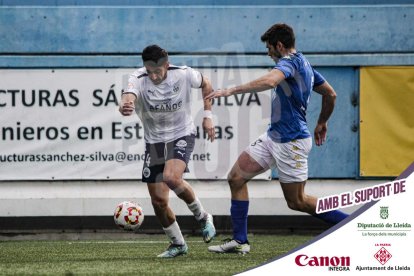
160	93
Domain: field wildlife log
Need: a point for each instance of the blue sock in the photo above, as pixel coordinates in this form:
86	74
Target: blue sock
238	211
332	216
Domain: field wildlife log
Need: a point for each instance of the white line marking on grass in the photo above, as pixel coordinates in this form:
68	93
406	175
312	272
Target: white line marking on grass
128	242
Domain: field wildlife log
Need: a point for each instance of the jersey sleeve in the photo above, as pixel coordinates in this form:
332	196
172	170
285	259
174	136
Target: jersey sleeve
194	77
287	67
134	86
318	78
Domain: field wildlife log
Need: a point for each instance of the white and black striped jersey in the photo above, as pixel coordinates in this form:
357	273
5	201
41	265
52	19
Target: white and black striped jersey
165	109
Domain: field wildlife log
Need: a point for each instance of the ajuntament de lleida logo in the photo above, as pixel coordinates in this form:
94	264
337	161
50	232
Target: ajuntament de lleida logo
384	212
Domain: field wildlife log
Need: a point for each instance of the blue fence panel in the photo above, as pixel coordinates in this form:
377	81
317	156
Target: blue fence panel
338	157
192	29
195	2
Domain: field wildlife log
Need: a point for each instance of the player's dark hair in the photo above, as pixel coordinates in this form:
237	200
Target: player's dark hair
154	53
280	32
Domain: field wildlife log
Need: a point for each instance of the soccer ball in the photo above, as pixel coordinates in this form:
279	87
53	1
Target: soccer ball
128	215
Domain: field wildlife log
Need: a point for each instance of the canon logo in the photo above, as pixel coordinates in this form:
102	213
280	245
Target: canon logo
304	260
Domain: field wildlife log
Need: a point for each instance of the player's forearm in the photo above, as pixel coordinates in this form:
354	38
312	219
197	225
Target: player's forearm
206	90
328	104
268	81
258	85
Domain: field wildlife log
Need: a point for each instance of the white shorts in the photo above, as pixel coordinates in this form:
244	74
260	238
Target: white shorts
290	159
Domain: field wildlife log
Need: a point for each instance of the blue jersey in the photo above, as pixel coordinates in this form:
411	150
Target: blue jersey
291	97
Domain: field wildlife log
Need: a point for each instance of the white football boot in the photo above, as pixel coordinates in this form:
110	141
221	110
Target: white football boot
230	246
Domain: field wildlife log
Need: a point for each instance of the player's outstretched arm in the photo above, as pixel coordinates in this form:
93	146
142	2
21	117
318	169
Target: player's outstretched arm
268	81
328	104
208	124
127	106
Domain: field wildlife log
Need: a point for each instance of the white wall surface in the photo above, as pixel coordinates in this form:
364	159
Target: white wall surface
99	198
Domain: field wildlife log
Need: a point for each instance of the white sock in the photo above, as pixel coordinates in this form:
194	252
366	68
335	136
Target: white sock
197	209
173	232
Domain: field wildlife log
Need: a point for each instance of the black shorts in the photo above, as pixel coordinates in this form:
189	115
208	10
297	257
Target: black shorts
157	154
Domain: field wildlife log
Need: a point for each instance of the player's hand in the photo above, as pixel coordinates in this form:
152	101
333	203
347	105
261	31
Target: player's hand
127	108
217	94
208	127
320	133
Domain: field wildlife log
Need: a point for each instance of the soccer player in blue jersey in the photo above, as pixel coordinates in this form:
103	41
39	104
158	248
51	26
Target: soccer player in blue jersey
287	143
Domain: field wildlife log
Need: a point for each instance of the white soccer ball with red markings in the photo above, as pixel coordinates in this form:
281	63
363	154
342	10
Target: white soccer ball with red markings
129	215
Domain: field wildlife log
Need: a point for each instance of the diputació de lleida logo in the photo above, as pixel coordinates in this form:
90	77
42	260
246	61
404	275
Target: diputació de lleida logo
384	212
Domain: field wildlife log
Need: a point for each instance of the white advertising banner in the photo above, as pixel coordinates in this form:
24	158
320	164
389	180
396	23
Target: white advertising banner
65	124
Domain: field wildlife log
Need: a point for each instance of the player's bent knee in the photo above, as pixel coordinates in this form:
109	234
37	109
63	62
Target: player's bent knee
159	204
235	180
173	181
296	205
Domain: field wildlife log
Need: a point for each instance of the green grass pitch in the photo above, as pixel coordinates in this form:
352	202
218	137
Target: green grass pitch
136	257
